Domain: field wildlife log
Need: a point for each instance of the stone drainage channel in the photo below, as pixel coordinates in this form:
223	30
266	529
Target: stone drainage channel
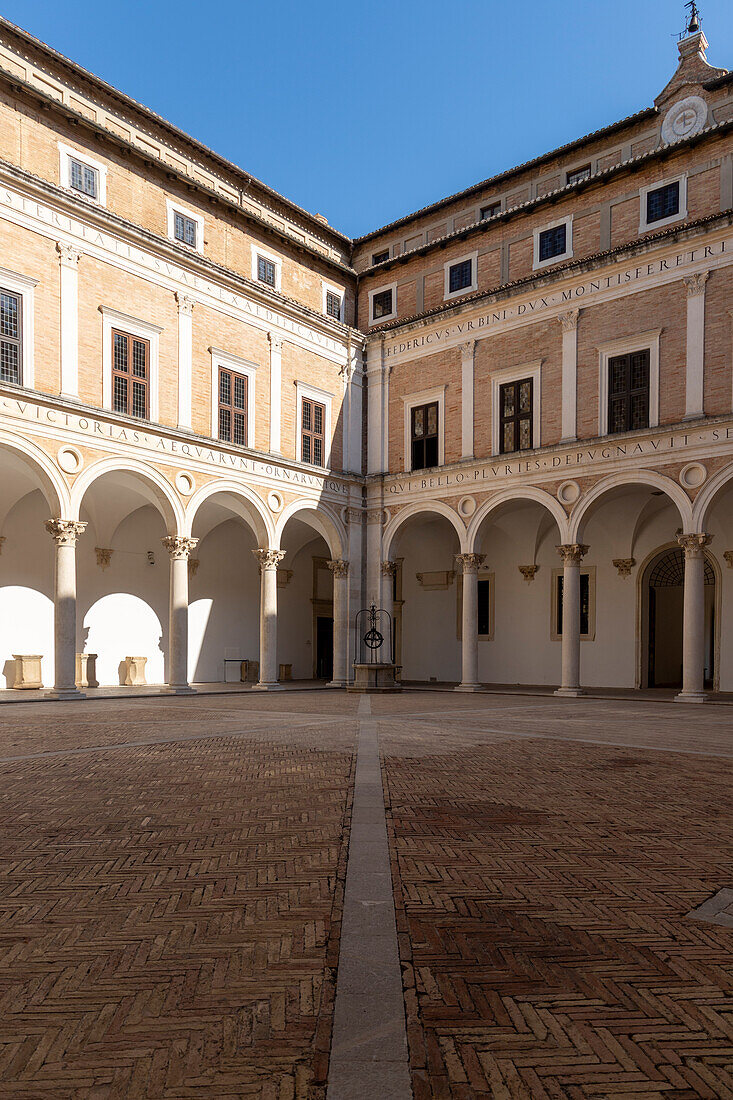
369	1047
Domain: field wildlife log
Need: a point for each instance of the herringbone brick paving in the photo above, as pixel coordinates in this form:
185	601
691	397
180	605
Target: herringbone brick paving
542	893
169	906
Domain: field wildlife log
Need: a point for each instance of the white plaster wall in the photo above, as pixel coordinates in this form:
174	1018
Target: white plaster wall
295	631
26	588
224	602
123	610
430	647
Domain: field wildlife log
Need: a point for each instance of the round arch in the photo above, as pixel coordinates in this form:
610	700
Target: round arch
320	519
252	509
529	493
38	463
706	497
433	507
585	506
164	497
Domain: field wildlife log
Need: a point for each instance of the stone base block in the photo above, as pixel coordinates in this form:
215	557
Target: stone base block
28	675
467	687
371	678
691	697
86	670
135	671
274	686
569	693
61	696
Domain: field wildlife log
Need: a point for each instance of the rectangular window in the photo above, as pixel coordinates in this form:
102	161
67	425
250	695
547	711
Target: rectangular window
663	202
313	420
333	305
484	609
380	257
490	211
628	391
265	270
584	605
579	174
83	178
553	242
184	229
460	276
130	375
515	416
424	436
382	304
10	336
232	407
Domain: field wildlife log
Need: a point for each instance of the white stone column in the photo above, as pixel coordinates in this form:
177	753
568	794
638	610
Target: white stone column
357	580
269	671
693	638
69	305
276	388
569	424
185	361
470	564
571	555
376	425
467	360
694	375
340	571
65	532
389	568
179	549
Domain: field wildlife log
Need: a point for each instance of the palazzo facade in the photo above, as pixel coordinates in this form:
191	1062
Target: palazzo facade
225	427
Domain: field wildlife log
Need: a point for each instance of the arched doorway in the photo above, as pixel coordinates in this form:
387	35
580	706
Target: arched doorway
663	591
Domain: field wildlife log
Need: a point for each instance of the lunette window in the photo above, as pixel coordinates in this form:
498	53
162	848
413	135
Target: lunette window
584	604
380	257
424	436
83	178
579	174
628	391
663	202
184	229
333	305
232	407
515	416
490	211
382	304
130	375
266	271
460	276
312	427
10	336
553	242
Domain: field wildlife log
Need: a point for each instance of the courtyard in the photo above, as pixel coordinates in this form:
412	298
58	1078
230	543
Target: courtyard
307	894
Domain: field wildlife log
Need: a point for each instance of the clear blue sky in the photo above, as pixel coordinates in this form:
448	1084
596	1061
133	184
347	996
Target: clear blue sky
366	111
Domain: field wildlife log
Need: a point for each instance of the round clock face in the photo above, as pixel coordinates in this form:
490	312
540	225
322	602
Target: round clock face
686	117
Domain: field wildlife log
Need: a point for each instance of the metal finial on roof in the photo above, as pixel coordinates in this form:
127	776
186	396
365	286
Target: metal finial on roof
694	24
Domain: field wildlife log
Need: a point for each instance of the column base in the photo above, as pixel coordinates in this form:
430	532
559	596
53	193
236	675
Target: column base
273	686
70	694
467	687
569	693
177	689
337	684
691	697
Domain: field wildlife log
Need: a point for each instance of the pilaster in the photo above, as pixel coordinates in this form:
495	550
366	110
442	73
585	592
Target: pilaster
69	307
694	375
185	361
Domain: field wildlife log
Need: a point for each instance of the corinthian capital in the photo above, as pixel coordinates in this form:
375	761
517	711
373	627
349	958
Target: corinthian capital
572	553
65	532
389	568
185	304
269	559
68	254
276	342
179	547
569	320
470	563
695	284
694	544
338	568
468	349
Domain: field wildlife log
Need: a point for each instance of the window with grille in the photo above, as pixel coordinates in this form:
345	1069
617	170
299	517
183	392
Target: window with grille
184	229
312	428
579	174
584	604
628	391
663	202
515	416
382	304
83	178
266	271
553	242
460	276
232	407
380	257
130	375
333	305
10	336
424	436
490	211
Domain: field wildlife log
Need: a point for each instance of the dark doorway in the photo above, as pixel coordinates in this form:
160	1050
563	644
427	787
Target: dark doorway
665	600
324	648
